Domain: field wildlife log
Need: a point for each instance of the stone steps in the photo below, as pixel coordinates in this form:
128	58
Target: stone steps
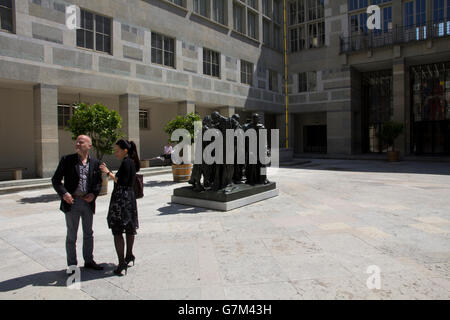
11	186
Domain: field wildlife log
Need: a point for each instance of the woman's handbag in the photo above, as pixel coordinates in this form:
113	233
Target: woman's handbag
139	186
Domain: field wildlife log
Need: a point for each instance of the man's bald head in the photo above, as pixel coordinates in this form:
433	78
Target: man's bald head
83	145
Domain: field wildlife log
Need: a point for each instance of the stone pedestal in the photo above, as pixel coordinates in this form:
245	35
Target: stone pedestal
236	197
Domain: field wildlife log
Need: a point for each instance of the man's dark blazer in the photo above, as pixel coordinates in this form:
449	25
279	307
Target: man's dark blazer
67	169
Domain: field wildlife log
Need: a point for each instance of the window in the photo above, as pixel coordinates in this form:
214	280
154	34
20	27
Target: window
251	25
211	63
293	36
252	3
276	11
277	37
246	72
237	18
265	8
387	19
178	2
200	7
163	50
266	32
302	82
273	80
95	30
143	119
438	10
316	34
65	113
307	81
315	9
218	11
421	12
6	15
408	15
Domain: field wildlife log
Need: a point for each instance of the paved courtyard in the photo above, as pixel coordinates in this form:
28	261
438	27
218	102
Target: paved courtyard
332	220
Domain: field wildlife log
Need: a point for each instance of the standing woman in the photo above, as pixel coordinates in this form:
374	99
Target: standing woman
122	215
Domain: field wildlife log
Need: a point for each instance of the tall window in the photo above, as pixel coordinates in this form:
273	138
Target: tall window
200	7
143	119
438	10
387	19
277	11
65	113
277	37
316	34
252	3
178	2
211	63
246	72
95	32
421	12
315	9
307	81
408	14
163	50
266	32
218	11
6	15
273	80
311	32
251	25
265	8
237	18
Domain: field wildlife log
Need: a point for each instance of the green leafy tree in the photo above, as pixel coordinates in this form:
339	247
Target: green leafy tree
98	122
389	132
182	122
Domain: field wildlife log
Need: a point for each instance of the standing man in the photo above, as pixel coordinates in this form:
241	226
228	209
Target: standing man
82	184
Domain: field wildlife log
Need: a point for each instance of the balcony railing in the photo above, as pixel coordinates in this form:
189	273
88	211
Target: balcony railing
397	35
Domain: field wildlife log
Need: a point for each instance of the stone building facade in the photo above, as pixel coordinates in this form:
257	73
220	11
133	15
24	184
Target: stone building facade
154	59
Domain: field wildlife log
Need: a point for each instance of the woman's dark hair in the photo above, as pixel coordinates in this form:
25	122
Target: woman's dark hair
132	151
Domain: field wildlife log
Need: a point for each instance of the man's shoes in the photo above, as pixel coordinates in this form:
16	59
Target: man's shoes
93	265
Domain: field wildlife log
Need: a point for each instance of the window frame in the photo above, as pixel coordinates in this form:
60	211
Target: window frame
71	107
147	118
210	53
247	73
163	50
13	20
95	32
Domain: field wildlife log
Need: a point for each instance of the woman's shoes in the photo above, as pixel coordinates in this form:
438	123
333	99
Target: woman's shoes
120	268
129	259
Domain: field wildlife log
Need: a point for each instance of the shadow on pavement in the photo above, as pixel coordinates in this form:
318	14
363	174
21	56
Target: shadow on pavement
46	198
408	167
55	278
161	183
180	209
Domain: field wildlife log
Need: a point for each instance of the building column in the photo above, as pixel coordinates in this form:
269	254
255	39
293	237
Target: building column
129	111
399	103
45	100
227	111
186	107
339	132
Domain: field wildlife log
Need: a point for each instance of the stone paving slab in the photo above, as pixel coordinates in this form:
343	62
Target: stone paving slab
332	220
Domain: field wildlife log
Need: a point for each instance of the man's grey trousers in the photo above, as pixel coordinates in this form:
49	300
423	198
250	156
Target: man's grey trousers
80	209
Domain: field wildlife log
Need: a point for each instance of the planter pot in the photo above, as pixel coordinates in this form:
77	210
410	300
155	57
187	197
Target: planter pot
181	172
104	189
393	156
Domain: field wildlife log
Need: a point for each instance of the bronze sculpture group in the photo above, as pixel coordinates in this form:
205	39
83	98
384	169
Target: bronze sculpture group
221	175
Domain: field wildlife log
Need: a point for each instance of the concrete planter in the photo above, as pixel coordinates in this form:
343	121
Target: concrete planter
393	156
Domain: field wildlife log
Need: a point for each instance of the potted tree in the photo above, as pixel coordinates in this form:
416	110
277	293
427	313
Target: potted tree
182	172
389	132
102	125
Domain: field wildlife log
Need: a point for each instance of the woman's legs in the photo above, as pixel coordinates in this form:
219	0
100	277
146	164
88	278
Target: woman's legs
120	247
130	242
